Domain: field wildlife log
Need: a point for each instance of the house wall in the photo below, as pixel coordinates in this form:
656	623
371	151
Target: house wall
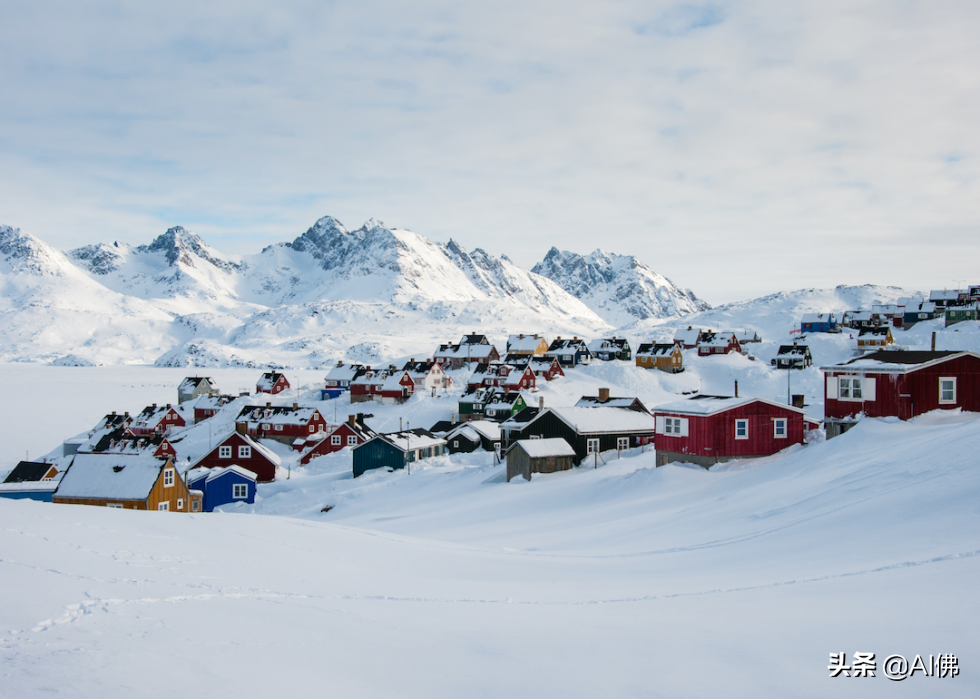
158	494
264	469
220	491
908	395
549	426
713	436
377	453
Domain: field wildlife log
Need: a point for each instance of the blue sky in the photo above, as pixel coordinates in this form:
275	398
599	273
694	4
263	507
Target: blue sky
738	148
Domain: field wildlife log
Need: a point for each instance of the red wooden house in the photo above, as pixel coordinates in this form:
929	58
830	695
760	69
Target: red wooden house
282	423
718	343
706	430
208	406
504	376
154	420
272	382
384	386
241	450
900	384
349	434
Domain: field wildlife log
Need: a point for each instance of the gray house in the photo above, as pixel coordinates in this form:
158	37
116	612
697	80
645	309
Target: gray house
195	386
527	456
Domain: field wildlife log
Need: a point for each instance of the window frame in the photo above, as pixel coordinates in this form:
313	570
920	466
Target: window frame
745	422
592	445
335	440
352	440
947	401
622	443
168	478
225	451
776	424
163	506
236	488
244	451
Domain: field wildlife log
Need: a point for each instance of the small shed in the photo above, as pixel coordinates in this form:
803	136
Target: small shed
527	456
819	323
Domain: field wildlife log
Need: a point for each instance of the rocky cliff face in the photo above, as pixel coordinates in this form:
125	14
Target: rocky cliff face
619	288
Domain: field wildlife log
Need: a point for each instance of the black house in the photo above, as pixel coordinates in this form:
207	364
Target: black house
590	430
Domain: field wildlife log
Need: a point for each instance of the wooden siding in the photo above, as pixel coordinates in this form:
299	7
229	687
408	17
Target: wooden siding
549	426
258	464
520	464
377	453
158	494
713	436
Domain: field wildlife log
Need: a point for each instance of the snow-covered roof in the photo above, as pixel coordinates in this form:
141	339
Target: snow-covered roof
818	318
883	330
564	347
602	419
710	405
612	402
607	344
485	428
720	339
345	372
393	382
523	343
219	471
192	382
656	350
268	380
413	439
747	335
29	486
122	476
689	335
946	294
465	351
543	448
923	307
277	414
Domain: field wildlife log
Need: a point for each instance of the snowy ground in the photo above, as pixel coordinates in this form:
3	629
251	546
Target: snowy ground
625	580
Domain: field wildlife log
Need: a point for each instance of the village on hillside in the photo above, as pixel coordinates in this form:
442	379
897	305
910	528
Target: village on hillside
146	460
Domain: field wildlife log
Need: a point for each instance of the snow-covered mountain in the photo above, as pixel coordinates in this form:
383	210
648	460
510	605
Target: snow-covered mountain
619	288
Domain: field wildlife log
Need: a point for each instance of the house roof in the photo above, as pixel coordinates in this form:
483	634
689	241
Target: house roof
504	398
393	382
611	402
345	372
416	438
122	441
567	346
277	414
947	294
28	472
543	448
897	361
220	471
122	476
483	428
474	339
818	318
719	339
798	348
688	335
419	370
602	419
192	382
649	349
520	419
608	344
523	343
883	330
711	405
465	351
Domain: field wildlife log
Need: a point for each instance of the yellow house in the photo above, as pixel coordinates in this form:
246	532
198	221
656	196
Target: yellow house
665	357
533	345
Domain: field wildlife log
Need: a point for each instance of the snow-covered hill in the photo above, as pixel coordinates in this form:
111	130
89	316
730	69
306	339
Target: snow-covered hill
619	288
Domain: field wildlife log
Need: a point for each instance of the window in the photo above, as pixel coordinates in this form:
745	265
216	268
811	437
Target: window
244	452
947	389
195	505
592	446
114	505
623	443
455	443
351	440
845	388
224	452
312	427
741	429
850	388
168	478
164	507
239	491
335	440
779	428
180	503
279	428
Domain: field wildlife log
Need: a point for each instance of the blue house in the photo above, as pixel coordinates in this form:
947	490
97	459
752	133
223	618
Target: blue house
30	480
222	485
396	450
819	323
337	381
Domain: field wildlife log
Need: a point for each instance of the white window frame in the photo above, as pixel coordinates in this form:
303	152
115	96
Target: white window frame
163	506
180	503
114	505
168	478
949	401
622	443
279	428
352	440
224	452
239	491
779	422
312	428
244	451
591	446
856	388
743	421
335	440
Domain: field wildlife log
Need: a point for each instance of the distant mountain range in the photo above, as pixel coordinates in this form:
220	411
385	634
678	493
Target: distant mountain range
368	294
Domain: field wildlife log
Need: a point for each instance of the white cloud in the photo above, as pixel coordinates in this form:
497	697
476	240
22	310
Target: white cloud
737	147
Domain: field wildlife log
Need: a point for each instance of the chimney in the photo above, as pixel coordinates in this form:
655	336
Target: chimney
540	402
168	406
351	420
154	405
295	406
113	412
736	389
340	363
521	336
241	427
412	360
603	395
798	400
933	340
690	327
126	413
